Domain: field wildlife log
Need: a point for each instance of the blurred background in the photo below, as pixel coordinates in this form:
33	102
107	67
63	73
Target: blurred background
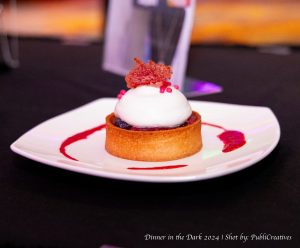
229	22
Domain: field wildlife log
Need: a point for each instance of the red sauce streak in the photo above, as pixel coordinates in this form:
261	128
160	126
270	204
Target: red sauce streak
166	167
77	137
213	125
231	139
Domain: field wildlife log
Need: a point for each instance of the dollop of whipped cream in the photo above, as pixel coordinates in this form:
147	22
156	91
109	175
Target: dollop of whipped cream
145	106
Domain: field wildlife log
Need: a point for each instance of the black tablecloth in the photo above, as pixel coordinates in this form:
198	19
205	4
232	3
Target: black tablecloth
43	206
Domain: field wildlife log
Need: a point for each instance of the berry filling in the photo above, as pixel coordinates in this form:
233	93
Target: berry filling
124	125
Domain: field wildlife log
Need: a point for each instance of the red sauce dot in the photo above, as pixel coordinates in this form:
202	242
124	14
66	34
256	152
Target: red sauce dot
169	90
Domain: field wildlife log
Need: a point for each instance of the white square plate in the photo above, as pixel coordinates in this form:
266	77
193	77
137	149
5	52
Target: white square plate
259	125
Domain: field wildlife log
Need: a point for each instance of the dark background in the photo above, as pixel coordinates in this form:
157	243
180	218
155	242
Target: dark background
43	206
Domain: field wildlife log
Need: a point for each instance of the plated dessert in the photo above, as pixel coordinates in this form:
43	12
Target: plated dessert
152	121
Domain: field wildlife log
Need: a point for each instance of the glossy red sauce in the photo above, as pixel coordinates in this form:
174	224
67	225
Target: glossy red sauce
231	139
166	167
213	125
74	138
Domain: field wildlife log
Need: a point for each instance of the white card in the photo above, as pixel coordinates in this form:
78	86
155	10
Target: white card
148	29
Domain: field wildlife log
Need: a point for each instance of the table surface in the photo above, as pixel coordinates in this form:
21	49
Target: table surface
42	206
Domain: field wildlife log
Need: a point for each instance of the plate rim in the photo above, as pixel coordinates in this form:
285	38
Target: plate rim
146	178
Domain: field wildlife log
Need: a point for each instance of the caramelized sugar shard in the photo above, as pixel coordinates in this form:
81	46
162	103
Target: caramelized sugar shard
149	73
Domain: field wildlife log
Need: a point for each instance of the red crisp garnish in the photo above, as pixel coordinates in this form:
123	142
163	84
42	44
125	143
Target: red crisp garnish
150	73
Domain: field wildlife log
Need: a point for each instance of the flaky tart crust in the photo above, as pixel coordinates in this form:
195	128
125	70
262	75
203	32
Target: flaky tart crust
153	146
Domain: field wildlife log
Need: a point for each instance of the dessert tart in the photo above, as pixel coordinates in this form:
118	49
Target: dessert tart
153	121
